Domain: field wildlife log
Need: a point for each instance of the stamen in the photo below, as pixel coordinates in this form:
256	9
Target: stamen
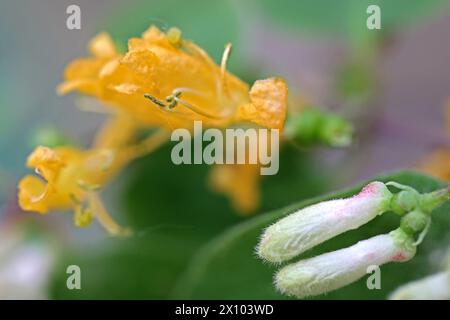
154	100
74	198
82	217
173	99
223	68
197	110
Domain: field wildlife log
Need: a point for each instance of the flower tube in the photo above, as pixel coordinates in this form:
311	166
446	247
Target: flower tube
315	224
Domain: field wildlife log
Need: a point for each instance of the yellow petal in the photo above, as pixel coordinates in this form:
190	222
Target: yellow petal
126	88
102	46
82	75
86	86
118	131
31	190
268	104
142	61
46	161
154	35
109	68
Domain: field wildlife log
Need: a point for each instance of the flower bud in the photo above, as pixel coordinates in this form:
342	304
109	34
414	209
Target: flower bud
315	224
339	268
434	287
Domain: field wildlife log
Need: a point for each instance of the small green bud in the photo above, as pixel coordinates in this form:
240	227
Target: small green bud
414	222
405	201
336	132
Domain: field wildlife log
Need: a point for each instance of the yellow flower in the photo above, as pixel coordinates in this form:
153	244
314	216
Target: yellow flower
71	178
166	81
162	81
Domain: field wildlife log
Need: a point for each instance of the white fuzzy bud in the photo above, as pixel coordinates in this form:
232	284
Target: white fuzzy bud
339	268
434	287
315	224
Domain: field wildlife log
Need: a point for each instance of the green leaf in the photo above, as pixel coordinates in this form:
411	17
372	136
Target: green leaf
227	267
174	214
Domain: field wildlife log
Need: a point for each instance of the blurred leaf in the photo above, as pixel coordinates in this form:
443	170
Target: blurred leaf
227	267
174	214
345	16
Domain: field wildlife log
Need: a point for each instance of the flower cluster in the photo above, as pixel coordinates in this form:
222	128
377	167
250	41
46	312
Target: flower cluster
162	82
313	225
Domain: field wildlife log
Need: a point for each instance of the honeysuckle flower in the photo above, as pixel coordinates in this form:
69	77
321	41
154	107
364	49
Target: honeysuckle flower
336	269
166	81
433	287
317	223
437	163
163	81
71	178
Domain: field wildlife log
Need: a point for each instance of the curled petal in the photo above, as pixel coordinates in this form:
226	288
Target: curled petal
102	46
47	162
